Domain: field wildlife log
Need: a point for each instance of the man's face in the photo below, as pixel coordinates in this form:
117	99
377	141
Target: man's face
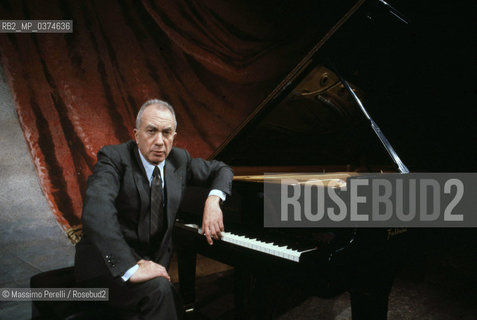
156	133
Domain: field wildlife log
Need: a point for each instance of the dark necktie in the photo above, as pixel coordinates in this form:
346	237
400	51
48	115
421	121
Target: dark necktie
157	208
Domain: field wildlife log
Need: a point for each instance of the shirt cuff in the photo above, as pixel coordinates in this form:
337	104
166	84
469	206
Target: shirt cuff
218	193
128	274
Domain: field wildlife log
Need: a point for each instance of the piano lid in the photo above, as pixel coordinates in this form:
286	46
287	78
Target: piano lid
310	119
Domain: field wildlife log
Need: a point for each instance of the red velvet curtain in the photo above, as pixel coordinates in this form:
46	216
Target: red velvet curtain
213	60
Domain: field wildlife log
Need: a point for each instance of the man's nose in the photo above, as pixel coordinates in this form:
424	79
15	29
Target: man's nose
159	139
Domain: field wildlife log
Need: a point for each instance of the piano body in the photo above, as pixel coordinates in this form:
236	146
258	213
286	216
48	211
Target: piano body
309	123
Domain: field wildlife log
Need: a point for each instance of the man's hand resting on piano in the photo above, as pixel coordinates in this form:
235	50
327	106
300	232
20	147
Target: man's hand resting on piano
212	221
148	270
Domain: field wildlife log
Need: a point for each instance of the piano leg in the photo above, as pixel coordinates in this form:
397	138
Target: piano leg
242	288
370	289
186	264
258	295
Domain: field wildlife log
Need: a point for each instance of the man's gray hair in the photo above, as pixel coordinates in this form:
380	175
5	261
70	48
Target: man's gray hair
155	101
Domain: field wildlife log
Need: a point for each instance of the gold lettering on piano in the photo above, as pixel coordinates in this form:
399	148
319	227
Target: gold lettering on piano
394	232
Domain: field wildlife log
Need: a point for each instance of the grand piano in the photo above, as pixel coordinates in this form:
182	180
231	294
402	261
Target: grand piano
314	121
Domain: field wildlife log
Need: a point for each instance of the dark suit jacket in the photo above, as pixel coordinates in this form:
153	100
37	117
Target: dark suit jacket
116	208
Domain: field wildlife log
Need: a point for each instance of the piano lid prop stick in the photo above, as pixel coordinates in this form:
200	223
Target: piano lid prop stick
379	133
394	12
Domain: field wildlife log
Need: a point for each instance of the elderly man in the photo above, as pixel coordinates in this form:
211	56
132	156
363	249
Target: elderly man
129	211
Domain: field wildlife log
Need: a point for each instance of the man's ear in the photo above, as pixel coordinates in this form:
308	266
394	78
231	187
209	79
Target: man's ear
135	134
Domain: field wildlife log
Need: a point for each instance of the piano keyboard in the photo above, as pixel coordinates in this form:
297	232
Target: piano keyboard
266	247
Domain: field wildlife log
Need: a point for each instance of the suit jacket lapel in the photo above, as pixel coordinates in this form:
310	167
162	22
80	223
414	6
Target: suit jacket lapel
143	189
173	185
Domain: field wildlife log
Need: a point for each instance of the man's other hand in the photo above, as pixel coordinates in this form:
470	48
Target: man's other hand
212	221
148	270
